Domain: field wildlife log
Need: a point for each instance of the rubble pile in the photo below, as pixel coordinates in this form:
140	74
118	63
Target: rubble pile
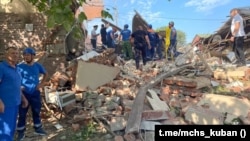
128	103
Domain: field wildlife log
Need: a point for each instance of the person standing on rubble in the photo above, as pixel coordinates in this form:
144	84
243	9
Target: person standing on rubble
159	44
10	94
30	72
94	37
103	33
126	46
173	41
153	42
238	33
167	41
141	42
111	37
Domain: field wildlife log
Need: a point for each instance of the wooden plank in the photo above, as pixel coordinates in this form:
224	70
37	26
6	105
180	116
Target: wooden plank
156	103
134	119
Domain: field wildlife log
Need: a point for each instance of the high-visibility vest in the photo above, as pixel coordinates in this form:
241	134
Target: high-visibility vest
167	39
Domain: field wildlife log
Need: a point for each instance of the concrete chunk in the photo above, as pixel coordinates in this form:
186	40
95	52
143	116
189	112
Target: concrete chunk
155	101
226	104
93	75
117	123
203	116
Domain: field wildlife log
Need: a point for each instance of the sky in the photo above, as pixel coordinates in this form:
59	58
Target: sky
190	16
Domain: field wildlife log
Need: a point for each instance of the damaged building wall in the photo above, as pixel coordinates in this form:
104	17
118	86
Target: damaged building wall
219	44
22	25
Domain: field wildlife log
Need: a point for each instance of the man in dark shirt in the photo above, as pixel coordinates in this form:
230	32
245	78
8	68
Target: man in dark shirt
103	33
111	37
153	42
140	40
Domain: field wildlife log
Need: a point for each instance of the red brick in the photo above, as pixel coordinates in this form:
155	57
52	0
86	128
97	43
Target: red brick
180	81
180	90
129	137
155	115
119	138
236	89
174	121
165	97
247	89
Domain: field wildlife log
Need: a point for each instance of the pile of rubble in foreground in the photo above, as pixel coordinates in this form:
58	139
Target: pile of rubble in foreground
128	103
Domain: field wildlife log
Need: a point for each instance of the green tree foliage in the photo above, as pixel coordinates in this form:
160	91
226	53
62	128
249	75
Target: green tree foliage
62	12
181	36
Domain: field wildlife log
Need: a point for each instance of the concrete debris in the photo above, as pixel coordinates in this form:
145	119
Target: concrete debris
125	101
93	75
203	116
149	125
226	104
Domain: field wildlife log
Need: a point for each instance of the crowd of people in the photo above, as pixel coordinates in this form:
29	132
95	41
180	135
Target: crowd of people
149	45
146	44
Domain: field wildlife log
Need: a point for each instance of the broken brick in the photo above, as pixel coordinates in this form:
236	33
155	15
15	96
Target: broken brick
236	89
75	127
129	137
180	81
174	121
239	73
165	97
118	138
155	115
180	90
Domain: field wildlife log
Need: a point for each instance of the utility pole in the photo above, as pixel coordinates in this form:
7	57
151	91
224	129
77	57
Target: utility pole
116	13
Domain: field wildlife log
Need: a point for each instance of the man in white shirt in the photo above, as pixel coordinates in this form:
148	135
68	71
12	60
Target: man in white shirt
238	33
94	36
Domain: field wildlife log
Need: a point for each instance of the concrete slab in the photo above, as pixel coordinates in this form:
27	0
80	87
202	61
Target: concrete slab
156	103
203	116
93	75
226	104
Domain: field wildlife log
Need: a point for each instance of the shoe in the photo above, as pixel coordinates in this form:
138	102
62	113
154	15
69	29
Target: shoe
20	135
40	131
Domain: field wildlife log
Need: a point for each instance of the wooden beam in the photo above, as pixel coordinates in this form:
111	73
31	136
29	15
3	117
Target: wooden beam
134	120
